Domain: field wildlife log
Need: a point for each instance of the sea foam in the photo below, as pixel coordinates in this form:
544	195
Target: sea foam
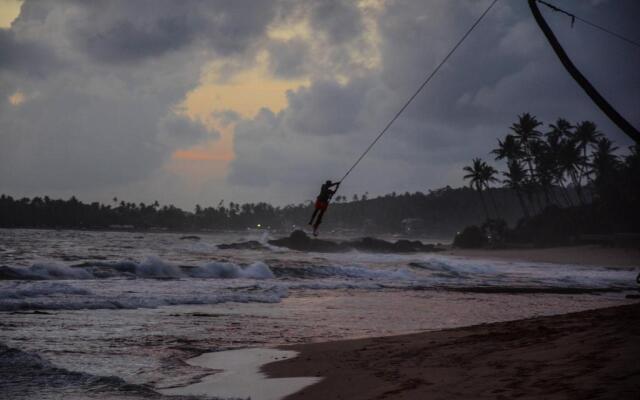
150	268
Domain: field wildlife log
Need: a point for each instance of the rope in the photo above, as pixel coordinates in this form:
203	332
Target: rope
426	81
575	17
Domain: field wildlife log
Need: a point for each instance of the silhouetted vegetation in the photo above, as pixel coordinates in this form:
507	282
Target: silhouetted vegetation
440	213
471	237
569	181
557	184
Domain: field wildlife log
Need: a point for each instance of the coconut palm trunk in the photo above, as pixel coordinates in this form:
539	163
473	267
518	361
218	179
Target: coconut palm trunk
566	194
595	96
525	210
477	174
484	203
577	184
493	201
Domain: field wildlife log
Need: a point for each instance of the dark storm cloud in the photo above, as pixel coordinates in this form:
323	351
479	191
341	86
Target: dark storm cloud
340	20
77	140
72	139
126	41
123	31
325	108
505	68
176	130
288	58
227	117
264	143
107	118
24	56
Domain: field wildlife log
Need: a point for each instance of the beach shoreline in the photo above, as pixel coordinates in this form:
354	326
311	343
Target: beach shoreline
589	354
591	255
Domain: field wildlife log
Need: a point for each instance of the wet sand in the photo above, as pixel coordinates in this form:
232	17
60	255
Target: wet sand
579	255
592	354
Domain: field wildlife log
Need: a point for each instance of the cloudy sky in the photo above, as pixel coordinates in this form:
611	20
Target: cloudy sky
191	102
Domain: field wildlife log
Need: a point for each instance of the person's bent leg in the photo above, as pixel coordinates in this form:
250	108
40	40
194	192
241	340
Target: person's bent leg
315	212
318	221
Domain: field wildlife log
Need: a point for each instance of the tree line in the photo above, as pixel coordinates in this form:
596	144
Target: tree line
566	167
570	166
437	212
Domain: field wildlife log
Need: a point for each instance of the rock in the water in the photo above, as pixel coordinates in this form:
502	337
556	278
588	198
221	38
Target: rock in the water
190	237
298	240
9	273
249	245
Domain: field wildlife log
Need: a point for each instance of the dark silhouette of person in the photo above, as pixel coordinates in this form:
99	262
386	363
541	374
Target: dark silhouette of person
322	202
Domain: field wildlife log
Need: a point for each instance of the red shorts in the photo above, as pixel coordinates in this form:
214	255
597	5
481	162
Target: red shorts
321	205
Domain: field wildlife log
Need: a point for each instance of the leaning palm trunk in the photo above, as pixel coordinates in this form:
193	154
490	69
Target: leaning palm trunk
484	204
531	199
522	203
493	201
595	96
537	196
547	196
554	196
565	193
576	182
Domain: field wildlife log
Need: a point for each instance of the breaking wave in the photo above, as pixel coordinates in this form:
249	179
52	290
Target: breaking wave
151	268
155	282
352	272
45	295
26	375
51	289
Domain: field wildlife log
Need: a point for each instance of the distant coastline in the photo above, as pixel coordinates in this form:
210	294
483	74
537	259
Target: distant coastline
436	213
576	255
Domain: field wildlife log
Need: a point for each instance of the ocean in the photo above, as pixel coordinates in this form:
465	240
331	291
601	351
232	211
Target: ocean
94	314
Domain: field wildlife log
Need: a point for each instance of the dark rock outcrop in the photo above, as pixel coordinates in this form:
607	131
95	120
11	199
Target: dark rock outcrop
8	273
298	240
190	237
249	245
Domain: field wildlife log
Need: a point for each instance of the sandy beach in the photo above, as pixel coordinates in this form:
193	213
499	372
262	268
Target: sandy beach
586	355
580	255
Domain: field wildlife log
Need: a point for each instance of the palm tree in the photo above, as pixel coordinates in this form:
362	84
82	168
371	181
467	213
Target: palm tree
516	175
510	149
526	128
609	184
488	176
527	134
545	164
476	179
571	161
556	140
629	178
561	129
604	162
585	135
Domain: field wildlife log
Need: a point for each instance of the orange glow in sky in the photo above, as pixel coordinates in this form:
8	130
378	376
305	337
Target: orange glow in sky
245	93
9	10
17	98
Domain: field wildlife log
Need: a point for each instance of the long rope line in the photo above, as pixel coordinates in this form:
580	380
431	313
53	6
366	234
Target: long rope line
602	28
426	81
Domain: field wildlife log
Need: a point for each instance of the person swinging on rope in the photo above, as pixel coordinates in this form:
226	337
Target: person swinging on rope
322	202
